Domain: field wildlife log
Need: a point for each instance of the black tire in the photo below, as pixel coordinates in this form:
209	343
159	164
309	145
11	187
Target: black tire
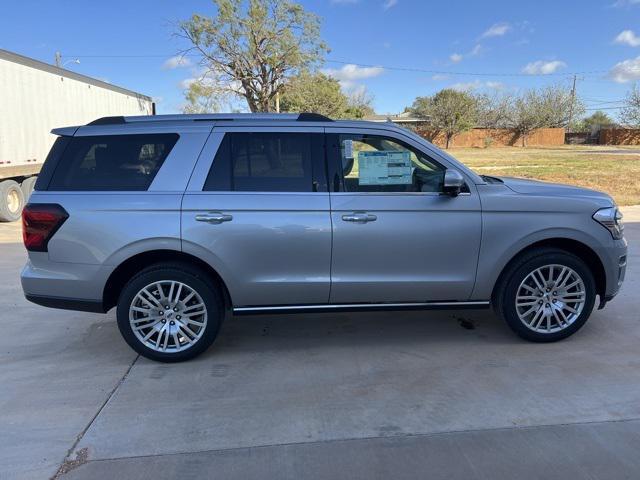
192	277
507	289
11	201
27	187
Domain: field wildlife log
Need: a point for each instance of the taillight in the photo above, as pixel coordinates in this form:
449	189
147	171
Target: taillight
39	222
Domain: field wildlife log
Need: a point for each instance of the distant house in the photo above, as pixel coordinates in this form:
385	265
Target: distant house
404	119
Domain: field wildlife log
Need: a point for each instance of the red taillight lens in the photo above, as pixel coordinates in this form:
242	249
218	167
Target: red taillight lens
39	222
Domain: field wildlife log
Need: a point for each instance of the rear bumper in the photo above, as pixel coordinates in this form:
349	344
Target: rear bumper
67	303
69	286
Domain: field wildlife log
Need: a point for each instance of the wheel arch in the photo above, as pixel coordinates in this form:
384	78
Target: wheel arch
572	246
132	265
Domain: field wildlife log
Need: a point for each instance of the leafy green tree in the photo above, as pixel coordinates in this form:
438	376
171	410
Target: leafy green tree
595	121
630	113
202	98
360	103
319	93
449	112
315	93
252	46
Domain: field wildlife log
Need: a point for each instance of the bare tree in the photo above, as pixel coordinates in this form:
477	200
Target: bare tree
539	108
449	112
630	113
252	46
359	103
493	110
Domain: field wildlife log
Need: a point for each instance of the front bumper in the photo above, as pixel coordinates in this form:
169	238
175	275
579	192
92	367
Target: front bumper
614	259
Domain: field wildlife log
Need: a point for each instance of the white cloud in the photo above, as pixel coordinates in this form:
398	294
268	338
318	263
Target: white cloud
626	3
186	83
176	62
351	72
389	3
494	85
626	71
475	50
543	68
627	37
458	57
439	76
496	30
475	85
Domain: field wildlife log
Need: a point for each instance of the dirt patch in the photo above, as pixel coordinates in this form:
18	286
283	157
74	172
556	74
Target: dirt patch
82	457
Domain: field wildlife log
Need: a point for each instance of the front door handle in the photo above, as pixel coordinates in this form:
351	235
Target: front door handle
214	218
359	217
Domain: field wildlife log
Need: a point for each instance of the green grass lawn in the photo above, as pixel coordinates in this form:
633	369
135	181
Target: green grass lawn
612	169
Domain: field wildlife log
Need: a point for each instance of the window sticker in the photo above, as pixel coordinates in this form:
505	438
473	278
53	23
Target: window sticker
385	168
348	149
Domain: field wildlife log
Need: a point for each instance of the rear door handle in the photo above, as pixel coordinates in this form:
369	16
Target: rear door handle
214	218
359	217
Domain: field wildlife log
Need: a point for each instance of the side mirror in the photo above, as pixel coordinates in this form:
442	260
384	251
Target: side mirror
453	182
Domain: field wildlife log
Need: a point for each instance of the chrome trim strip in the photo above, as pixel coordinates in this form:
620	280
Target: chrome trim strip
372	306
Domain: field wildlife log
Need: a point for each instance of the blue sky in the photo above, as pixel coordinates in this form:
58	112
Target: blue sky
516	44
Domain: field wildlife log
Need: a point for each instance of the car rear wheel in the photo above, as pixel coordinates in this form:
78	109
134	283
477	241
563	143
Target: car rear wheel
170	312
547	295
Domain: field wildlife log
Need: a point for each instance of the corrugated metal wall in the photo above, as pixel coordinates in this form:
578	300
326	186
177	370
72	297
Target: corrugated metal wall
32	102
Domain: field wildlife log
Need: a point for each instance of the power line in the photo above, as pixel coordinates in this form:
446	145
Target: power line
604	108
385	67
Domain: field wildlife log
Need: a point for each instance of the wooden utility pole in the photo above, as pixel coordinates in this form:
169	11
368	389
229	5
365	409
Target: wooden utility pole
573	101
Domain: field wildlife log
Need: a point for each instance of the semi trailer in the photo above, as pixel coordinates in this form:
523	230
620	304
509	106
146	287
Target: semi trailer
36	97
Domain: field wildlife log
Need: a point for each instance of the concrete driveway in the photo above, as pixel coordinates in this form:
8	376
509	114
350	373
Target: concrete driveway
385	395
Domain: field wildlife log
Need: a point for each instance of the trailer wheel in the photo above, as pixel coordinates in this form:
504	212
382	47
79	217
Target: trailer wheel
11	201
27	187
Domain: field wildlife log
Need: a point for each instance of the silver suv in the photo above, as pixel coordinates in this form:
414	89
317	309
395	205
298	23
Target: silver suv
178	219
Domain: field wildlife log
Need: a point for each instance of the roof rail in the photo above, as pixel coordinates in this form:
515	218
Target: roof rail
107	121
208	117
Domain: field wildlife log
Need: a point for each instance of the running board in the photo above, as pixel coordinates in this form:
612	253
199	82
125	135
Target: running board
361	307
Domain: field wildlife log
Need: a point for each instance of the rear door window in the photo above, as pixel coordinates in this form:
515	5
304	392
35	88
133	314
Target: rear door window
268	162
112	162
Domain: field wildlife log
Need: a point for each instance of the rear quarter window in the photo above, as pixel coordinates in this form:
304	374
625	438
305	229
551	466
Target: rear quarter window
111	162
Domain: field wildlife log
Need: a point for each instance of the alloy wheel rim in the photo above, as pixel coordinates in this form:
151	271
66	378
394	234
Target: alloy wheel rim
168	316
550	298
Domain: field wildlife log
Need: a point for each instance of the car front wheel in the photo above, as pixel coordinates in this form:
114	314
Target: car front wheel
547	295
169	312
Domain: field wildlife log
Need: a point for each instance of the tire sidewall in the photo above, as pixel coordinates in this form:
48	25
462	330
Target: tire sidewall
512	285
198	283
27	187
6	187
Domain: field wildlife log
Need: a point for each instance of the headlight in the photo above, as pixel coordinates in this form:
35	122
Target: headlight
611	219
